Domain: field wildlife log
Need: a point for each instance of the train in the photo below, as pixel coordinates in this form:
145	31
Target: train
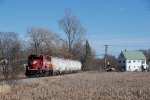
45	65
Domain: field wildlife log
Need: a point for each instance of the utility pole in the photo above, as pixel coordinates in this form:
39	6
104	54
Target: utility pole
105	56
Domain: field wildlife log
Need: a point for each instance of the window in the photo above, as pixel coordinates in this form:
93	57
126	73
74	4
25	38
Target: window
124	68
129	61
123	61
129	67
119	61
138	60
143	62
134	61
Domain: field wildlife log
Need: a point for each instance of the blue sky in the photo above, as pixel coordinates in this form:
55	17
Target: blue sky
123	24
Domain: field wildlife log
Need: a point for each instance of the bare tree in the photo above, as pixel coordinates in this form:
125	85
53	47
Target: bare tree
10	47
112	61
36	38
146	53
78	51
73	30
43	41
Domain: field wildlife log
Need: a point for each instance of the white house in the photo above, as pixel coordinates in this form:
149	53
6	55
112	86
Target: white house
132	61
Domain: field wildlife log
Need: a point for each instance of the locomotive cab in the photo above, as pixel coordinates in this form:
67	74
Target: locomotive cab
34	62
39	65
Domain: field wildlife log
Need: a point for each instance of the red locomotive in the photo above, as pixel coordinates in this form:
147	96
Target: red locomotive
39	65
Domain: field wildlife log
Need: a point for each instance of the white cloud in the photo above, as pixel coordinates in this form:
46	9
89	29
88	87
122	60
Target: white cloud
124	8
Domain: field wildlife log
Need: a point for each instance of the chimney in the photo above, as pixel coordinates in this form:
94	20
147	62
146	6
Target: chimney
125	50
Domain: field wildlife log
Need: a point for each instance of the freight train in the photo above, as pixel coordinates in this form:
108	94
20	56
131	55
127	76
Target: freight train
45	65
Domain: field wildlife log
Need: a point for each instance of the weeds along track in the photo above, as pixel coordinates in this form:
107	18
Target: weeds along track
81	86
24	79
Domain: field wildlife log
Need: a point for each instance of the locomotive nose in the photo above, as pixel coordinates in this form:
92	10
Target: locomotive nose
35	64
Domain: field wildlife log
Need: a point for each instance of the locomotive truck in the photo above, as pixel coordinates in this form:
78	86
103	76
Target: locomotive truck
45	65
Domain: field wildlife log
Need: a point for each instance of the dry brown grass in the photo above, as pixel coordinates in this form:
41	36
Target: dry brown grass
4	89
83	86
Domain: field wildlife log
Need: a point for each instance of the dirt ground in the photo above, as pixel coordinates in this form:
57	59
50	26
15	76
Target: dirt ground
80	86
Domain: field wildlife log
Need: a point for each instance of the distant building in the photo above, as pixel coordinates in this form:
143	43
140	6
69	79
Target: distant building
132	61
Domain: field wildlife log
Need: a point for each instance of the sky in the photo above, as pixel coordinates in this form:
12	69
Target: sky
122	24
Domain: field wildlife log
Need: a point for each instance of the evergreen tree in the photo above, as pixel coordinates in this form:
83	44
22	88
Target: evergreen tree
87	50
87	60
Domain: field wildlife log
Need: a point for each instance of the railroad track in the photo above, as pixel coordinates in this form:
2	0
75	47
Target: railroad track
24	79
20	80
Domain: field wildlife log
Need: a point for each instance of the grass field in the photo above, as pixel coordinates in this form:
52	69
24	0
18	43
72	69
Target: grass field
81	86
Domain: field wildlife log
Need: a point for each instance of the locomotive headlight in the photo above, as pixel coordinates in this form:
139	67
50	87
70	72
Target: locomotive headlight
34	62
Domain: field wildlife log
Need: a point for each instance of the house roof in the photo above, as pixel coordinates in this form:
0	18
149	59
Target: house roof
134	55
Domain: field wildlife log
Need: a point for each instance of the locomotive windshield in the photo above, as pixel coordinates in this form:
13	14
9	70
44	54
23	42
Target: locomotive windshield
34	57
